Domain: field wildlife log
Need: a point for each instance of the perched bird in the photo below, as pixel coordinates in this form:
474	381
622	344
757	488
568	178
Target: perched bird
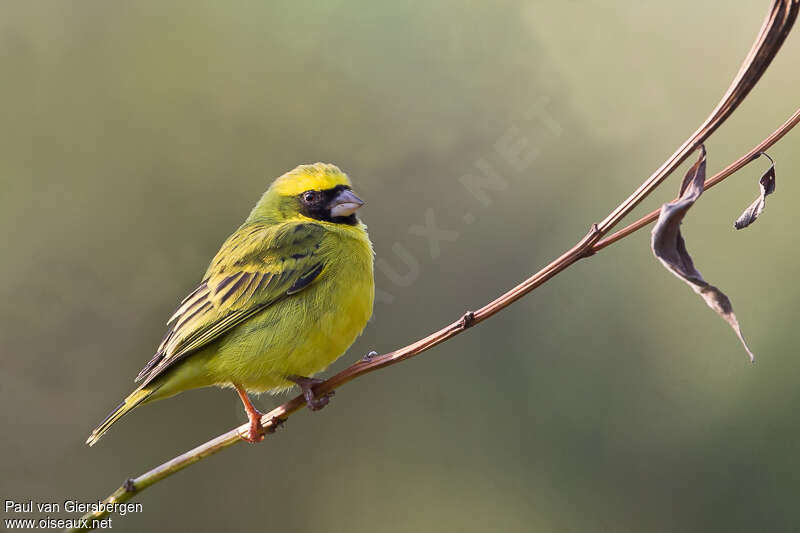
286	295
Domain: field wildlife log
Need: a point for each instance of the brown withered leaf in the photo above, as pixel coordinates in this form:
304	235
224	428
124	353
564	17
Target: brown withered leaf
767	187
670	248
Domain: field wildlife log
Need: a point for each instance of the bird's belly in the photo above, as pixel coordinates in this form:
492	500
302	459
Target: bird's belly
298	336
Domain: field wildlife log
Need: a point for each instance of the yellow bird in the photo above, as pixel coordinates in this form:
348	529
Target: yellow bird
286	295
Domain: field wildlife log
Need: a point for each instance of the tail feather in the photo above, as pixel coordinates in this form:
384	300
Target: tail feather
135	398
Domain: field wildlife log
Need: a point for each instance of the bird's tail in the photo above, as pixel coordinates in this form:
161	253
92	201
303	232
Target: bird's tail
135	398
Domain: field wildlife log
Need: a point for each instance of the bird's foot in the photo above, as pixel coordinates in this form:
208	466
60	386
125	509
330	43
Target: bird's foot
369	356
256	432
314	402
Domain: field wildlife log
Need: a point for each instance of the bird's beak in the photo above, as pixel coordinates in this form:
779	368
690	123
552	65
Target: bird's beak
345	204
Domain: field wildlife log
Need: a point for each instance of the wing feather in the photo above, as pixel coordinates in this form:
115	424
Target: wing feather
255	268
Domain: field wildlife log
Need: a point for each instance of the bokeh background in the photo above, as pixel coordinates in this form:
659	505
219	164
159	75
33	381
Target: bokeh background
136	136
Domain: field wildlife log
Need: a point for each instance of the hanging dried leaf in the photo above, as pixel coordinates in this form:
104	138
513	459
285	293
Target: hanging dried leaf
669	247
767	186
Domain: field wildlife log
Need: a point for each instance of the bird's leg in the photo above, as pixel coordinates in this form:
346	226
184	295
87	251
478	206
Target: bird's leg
307	385
256	433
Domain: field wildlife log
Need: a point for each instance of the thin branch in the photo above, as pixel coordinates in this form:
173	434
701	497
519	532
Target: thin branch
776	27
773	32
734	167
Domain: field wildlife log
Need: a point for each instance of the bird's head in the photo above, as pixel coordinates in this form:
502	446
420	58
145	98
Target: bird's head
319	192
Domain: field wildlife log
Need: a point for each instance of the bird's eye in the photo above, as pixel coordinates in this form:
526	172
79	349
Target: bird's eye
309	197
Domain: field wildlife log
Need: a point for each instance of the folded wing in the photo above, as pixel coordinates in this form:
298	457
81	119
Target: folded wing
255	268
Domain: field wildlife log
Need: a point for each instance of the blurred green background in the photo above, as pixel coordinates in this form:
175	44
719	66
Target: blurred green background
137	136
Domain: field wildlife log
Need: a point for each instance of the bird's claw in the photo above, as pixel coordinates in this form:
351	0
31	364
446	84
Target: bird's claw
314	402
255	433
369	356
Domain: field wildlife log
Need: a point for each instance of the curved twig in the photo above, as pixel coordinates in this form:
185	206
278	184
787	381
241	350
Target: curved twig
734	167
776	27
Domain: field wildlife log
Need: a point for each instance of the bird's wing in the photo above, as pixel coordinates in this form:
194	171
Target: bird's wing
255	268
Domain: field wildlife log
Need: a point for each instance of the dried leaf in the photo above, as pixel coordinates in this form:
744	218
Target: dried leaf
767	186
669	247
